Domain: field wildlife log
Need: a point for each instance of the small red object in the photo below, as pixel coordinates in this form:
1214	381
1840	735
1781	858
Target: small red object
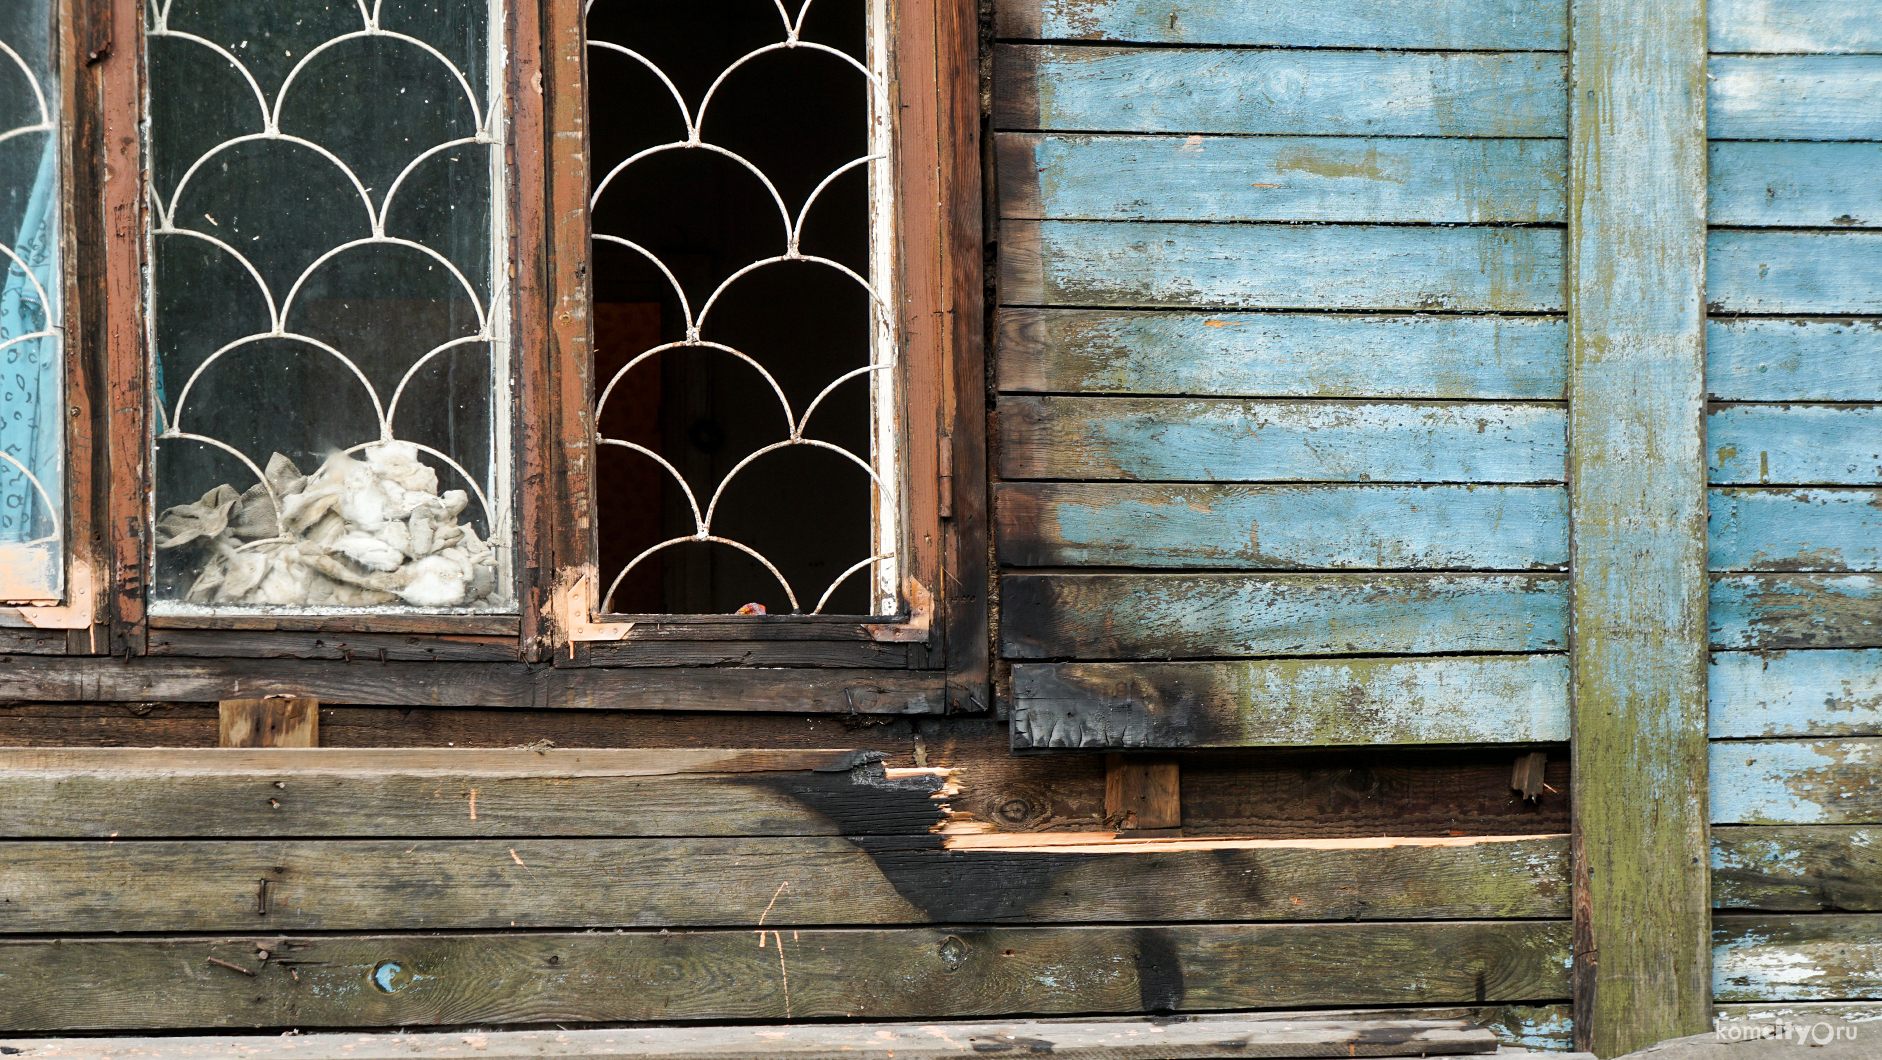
752	609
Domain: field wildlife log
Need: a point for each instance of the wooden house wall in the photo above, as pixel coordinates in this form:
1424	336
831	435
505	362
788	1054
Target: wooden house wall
1794	374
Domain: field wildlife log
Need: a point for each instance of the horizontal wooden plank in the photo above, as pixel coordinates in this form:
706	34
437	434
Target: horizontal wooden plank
725	686
1255	266
1794	445
1794	272
1797	185
1452	24
1280	178
1130	524
1282	354
1318	92
1831	692
1107	1040
1797	781
1165	616
1796	958
908	973
127	793
431	884
1291	702
1795	529
1794	360
1774	612
1254	441
1802	1011
1806	869
1794	97
1794	26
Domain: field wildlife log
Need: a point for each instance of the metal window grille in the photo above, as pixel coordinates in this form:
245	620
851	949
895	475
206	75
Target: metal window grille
329	355
32	428
879	374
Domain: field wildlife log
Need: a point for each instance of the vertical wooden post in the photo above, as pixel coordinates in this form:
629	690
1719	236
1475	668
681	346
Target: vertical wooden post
1142	795
1637	153
278	721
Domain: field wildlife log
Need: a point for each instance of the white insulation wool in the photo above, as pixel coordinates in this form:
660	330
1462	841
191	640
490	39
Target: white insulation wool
355	533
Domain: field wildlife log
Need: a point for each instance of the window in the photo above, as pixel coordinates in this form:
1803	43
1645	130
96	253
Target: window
463	331
32	429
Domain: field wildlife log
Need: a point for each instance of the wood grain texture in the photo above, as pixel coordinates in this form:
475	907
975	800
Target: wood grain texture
719	686
1809	869
1150	616
431	884
1283	92
1794	272
1105	1040
279	721
1129	524
1275	441
1797	781
1143	794
1794	444
1235	266
1291	702
1280	178
1637	502
1796	958
1453	24
1774	612
1794	97
1852	1011
1834	692
918	973
1282	354
1794	360
1801	185
1795	530
1793	26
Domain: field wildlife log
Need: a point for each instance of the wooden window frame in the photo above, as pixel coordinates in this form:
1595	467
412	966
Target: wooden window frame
931	658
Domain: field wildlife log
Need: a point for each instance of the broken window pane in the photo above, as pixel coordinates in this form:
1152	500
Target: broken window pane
328	324
744	343
32	429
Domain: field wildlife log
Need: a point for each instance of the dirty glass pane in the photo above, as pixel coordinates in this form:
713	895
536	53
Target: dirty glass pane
32	435
328	336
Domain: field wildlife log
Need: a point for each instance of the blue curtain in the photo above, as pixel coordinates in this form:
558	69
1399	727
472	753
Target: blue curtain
30	424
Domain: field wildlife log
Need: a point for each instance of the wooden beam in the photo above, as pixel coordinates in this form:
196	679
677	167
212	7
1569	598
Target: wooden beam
275	721
1636	270
1142	794
725	975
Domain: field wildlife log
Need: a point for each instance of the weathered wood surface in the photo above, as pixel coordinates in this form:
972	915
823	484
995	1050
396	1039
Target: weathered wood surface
1261	266
1794	26
1283	178
1794	360
1801	1012
1794	444
346	646
1794	97
1808	869
1452	24
1637	501
1152	616
1128	524
428	884
1795	693
1774	612
1794	272
279	721
1291	702
1796	958
459	684
910	973
1795	530
1205	439
1283	354
1286	92
127	793
1132	1040
1816	185
1797	781
1143	794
